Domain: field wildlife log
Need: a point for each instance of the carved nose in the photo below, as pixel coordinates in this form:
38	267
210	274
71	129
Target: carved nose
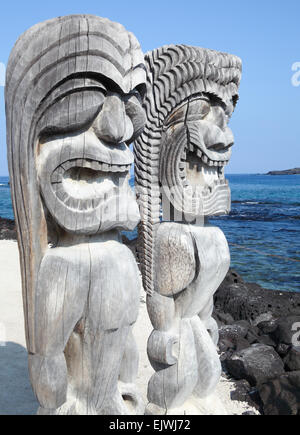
110	124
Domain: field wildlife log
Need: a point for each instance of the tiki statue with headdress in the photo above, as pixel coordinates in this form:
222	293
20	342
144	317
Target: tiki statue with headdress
73	103
179	169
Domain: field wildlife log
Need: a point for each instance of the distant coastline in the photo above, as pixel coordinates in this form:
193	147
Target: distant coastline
295	171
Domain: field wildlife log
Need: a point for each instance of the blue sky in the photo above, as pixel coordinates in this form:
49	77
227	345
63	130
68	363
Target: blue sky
265	34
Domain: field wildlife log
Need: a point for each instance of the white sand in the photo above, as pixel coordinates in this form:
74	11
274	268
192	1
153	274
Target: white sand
16	396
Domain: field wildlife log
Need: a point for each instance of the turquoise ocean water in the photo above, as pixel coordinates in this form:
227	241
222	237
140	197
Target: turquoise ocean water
263	228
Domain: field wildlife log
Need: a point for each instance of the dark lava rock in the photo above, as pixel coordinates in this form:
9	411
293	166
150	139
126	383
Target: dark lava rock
243	325
226	345
232	338
286	330
246	301
232	277
281	396
265	317
267	327
257	364
249	413
232	332
253	335
292	359
7	229
243	392
223	318
267	340
282	349
242	344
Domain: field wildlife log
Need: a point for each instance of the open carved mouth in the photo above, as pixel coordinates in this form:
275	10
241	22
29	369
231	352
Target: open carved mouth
200	172
85	183
192	170
202	161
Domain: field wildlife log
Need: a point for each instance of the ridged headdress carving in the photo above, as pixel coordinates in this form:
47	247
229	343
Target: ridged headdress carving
175	73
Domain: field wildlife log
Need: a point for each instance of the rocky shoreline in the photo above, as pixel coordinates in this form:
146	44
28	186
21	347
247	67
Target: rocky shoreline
258	344
7	229
258	340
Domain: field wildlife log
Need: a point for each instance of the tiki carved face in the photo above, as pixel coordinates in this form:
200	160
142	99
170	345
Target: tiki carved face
90	110
84	173
196	145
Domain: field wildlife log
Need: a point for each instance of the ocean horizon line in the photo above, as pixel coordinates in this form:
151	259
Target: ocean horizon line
228	173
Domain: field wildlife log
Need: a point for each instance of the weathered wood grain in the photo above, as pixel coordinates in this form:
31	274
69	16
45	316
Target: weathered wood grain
73	93
179	170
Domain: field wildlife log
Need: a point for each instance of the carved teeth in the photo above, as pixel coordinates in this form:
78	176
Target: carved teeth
71	202
62	195
96	202
67	165
200	173
81	183
80	162
115	168
95	165
83	204
89	203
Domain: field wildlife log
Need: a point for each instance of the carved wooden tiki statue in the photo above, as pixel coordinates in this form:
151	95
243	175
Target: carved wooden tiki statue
73	101
180	159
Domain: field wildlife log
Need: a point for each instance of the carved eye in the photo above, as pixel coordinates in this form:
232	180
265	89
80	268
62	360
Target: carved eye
178	115
135	111
198	109
72	113
194	110
135	95
133	98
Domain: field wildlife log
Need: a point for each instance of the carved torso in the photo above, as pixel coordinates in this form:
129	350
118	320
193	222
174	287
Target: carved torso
196	260
83	318
113	286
